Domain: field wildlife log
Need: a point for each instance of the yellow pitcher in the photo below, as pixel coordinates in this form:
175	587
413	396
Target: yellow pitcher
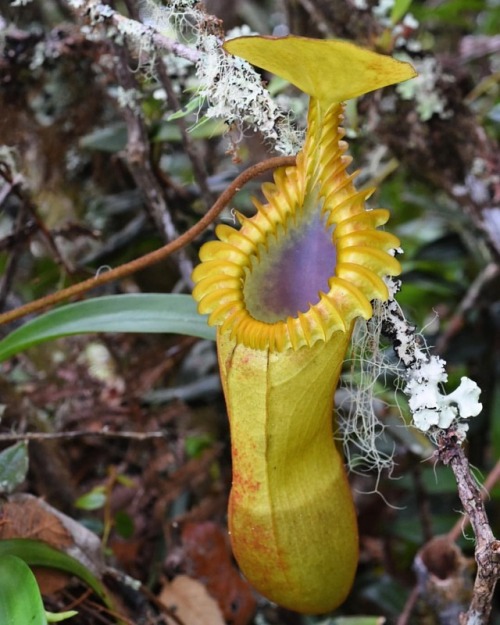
284	291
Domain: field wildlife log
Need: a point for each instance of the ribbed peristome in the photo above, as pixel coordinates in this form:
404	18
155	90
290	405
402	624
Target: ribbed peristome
319	182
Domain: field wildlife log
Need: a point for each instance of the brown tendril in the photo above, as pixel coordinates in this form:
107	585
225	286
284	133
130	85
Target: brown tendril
159	254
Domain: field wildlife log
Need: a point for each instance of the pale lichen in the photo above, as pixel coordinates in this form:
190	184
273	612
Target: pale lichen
424	89
365	397
424	375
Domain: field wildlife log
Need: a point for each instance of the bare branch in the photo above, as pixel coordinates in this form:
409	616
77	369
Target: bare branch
100	12
199	169
50	436
138	157
487	552
491	480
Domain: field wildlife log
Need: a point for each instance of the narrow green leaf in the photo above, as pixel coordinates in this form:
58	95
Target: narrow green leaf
399	9
204	129
37	553
143	312
20	599
13	466
124	524
59	616
192	106
354	620
93	500
112	138
359	620
126	481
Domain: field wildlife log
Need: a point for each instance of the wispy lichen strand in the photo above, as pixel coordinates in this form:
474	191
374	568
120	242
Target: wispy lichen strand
232	89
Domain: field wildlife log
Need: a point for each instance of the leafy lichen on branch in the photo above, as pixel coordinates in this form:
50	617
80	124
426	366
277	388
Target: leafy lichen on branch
424	375
232	89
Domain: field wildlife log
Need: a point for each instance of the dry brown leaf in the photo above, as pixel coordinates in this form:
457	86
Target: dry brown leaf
191	602
26	516
207	557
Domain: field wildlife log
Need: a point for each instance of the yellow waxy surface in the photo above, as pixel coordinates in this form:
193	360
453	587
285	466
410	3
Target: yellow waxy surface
291	515
329	70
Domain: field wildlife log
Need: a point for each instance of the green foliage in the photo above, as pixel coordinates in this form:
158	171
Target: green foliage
147	313
38	553
76	175
20	599
451	12
113	138
196	445
93	500
124	524
354	620
399	9
60	616
14	464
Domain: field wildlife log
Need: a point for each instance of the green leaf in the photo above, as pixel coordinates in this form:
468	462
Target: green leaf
125	480
60	616
399	9
192	106
93	500
359	620
495	423
354	620
196	445
204	129
13	467
143	312
387	595
112	138
38	553
124	524
20	599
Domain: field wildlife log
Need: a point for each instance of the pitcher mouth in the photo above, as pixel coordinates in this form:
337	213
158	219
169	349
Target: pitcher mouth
288	276
308	262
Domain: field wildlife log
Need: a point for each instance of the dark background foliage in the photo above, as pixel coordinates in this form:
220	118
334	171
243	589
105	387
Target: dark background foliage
85	186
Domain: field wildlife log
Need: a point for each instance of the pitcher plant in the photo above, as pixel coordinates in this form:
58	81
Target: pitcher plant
284	292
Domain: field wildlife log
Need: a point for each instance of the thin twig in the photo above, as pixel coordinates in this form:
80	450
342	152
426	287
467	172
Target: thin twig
170	612
44	436
13	259
15	187
9	185
8	276
405	615
103	13
44	231
199	169
138	158
102	613
153	257
484	279
317	17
